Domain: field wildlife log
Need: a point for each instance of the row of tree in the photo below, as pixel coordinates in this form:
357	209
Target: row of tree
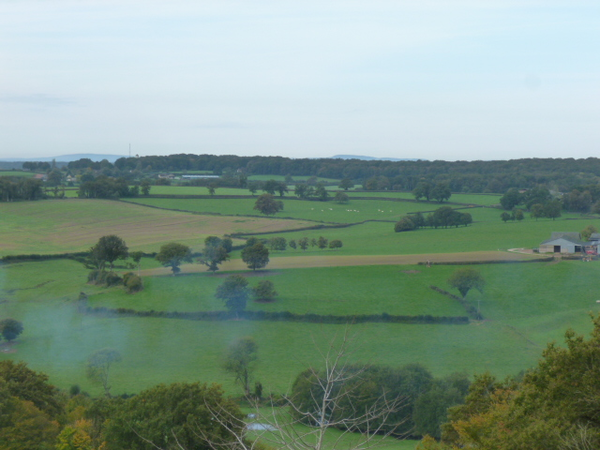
442	217
280	243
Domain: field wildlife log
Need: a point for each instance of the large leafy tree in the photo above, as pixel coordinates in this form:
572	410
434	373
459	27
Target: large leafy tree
173	255
214	252
240	360
10	329
256	256
175	416
267	204
234	291
98	367
108	249
28	385
555	407
465	279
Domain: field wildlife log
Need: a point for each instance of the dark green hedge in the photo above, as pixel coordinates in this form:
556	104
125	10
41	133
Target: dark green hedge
285	316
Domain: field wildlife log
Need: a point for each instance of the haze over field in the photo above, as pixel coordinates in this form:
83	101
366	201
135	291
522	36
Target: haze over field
433	80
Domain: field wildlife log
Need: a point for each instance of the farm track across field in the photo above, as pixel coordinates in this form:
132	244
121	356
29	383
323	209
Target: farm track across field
299	262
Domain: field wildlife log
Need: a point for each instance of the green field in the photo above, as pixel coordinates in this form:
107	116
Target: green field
351	212
521	317
16	173
525	305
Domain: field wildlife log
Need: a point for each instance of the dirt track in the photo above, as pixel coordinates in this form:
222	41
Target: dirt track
295	262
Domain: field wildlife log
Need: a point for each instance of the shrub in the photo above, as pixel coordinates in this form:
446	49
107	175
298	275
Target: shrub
132	283
336	243
404	224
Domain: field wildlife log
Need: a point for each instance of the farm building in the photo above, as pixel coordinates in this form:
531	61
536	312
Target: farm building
567	242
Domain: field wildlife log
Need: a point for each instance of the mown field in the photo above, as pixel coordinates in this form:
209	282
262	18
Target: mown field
59	226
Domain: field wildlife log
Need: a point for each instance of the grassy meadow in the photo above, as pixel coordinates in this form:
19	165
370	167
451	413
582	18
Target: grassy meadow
328	212
525	305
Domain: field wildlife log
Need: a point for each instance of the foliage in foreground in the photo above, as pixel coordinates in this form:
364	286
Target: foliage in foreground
555	407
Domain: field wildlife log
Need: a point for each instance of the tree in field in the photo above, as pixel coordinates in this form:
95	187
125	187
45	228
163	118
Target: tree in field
322	242
278	243
10	329
145	186
108	249
321	193
98	367
405	224
137	258
270	186
214	252
313	242
267	205
256	256
518	214
173	255
264	291
346	184
240	360
505	217
588	231
511	199
175	416
304	191
292	244
212	188
213	256
552	209
253	186
465	279
336	243
303	243
422	190
537	211
234	292
341	197
440	192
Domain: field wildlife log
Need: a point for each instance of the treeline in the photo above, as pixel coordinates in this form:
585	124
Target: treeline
442	217
37	415
284	316
460	176
423	399
20	188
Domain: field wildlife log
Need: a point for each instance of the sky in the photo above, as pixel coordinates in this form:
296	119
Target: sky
448	80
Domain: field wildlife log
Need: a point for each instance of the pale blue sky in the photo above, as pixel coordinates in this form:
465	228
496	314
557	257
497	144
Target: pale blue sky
429	79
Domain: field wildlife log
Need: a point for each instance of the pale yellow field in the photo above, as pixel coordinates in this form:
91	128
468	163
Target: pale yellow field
71	225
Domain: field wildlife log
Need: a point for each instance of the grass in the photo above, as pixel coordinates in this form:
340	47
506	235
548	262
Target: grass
486	234
526	305
16	173
474	199
522	317
333	290
353	211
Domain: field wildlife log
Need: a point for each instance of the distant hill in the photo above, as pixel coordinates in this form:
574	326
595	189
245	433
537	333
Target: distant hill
372	158
68	158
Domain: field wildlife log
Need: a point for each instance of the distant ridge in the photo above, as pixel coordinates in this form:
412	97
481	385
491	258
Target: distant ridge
372	158
68	158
